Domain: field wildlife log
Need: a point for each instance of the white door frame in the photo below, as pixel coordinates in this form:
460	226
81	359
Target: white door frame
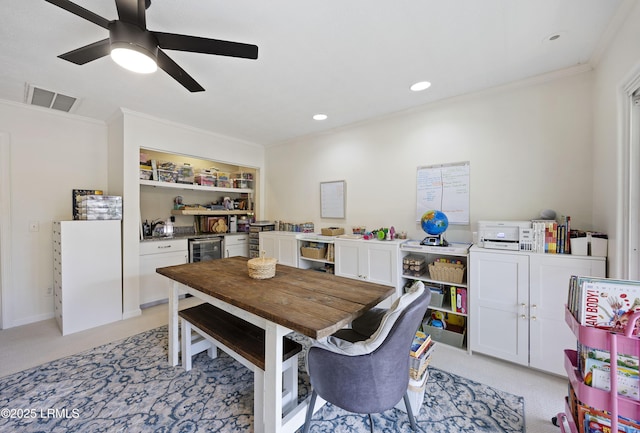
5	230
628	233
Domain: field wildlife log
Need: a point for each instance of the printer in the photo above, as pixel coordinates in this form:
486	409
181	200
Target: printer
506	235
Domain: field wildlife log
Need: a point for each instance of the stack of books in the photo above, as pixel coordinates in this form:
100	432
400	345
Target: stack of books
552	237
604	303
420	354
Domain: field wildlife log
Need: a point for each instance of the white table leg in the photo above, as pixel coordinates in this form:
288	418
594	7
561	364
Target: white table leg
174	345
272	398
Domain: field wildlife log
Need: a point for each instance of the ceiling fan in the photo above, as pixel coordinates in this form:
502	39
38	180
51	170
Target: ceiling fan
135	47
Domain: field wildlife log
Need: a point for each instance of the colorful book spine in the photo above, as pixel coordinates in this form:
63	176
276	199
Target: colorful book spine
453	293
420	343
461	300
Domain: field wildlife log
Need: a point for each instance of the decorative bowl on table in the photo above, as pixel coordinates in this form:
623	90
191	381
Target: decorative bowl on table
262	267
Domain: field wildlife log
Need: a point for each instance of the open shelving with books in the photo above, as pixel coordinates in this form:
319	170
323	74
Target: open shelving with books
443	270
317	252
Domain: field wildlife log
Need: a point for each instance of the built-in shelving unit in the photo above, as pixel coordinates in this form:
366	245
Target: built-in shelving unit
197	198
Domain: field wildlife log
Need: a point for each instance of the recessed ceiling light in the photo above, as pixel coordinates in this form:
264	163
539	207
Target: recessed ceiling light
319	117
420	86
553	37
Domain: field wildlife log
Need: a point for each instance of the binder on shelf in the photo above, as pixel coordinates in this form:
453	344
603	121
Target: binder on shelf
461	300
453	294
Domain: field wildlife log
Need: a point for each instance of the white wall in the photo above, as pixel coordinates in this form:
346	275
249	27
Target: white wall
529	146
621	59
51	154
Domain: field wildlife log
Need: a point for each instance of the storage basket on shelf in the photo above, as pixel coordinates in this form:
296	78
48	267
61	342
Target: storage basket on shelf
332	231
314	252
450	272
262	267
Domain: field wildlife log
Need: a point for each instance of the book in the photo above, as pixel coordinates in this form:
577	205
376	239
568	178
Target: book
607	303
597	374
420	343
591	420
461	300
453	294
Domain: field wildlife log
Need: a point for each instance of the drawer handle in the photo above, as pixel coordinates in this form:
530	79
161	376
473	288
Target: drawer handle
163	246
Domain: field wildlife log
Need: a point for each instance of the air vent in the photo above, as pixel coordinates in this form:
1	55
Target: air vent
49	99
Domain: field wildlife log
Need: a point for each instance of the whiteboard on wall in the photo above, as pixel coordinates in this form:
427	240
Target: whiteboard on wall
444	187
332	199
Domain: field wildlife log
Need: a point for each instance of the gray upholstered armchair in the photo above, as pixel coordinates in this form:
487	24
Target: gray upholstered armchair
365	369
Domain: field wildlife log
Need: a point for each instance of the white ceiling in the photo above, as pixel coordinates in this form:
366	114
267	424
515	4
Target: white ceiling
350	59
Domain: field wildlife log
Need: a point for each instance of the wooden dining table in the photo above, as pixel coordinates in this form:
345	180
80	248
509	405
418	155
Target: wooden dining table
312	303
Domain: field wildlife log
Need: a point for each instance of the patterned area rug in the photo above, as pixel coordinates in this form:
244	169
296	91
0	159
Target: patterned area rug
127	386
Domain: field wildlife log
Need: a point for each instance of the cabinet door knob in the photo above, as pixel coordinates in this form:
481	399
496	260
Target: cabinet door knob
523	317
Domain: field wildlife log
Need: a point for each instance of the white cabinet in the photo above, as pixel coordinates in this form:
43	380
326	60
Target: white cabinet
154	254
236	245
282	246
517	305
374	261
87	274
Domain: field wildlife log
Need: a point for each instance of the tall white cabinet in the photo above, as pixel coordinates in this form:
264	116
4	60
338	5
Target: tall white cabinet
87	274
517	304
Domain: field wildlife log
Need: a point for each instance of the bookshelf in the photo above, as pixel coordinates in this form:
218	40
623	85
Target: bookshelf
443	270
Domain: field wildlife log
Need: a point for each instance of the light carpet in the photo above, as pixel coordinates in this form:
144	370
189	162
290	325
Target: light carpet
127	386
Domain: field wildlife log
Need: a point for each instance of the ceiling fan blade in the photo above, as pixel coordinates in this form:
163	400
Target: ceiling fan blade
81	12
179	74
88	53
195	44
132	12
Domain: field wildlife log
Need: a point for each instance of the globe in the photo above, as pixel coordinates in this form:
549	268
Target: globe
434	222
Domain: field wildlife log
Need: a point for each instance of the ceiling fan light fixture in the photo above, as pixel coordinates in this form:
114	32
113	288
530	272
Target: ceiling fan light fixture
133	59
133	48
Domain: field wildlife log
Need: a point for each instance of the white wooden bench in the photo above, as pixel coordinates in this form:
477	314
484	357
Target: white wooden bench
205	327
